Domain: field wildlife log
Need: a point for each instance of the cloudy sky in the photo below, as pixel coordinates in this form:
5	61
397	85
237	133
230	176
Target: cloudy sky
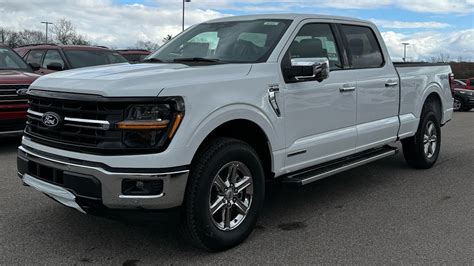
430	26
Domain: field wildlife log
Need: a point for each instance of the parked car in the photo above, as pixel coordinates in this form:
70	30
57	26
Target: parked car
459	84
463	100
15	78
470	84
223	107
134	55
50	58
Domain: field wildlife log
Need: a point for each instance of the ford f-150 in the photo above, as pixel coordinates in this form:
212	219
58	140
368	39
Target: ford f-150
223	107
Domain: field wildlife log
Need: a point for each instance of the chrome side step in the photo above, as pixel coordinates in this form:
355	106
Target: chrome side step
312	174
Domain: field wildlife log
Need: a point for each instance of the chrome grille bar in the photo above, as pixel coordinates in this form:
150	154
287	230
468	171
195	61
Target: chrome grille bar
75	122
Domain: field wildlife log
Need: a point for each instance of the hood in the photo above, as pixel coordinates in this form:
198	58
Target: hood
136	80
13	77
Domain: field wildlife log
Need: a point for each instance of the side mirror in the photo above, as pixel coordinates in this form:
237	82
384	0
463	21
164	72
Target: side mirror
34	66
55	66
310	68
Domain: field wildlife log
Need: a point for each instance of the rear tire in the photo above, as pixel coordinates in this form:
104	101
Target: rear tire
458	104
422	150
224	195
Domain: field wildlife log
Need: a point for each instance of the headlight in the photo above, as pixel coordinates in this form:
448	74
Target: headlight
151	125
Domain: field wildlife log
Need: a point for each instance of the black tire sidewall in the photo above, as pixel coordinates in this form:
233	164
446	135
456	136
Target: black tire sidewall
211	236
429	116
461	108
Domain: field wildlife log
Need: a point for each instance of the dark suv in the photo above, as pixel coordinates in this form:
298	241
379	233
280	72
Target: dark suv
50	58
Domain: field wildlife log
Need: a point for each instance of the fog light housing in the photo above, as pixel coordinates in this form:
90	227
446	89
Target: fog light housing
142	187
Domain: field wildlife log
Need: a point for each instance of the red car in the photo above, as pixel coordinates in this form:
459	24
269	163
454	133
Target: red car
51	58
15	78
470	84
134	55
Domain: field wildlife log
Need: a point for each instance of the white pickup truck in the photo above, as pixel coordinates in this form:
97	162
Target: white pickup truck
223	107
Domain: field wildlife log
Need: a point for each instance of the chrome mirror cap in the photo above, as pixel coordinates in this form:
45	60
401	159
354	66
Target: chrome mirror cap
319	65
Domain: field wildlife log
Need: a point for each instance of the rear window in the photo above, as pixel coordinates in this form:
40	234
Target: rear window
364	50
87	58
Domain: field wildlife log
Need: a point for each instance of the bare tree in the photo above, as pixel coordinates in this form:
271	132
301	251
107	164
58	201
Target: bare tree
65	33
147	45
443	58
167	38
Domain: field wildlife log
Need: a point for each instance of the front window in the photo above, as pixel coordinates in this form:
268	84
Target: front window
86	58
10	60
224	42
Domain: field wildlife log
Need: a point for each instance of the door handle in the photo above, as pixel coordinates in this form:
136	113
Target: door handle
391	83
347	89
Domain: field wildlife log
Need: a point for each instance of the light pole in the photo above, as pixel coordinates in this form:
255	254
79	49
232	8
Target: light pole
184	2
405	44
47	23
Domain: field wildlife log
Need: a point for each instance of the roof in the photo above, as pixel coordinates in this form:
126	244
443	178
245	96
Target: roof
290	16
66	47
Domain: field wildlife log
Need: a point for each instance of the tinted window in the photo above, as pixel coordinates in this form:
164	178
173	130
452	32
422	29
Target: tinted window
52	56
364	50
227	42
35	56
10	60
315	41
86	58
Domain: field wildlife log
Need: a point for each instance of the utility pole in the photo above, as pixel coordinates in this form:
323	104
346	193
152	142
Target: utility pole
405	44
184	2
47	23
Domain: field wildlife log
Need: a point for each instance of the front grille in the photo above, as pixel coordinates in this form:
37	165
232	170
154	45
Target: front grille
8	94
76	136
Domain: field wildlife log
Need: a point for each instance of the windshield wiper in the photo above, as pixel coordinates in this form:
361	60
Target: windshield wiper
198	59
153	60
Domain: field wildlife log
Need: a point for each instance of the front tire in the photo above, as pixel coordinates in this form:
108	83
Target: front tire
422	150
224	195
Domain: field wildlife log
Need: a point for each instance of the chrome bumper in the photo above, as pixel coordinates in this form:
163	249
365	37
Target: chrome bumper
174	183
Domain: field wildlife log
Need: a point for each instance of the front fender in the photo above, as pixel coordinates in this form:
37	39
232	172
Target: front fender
234	112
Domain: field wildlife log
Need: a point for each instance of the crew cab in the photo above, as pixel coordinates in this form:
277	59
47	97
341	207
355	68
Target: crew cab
223	107
49	58
15	78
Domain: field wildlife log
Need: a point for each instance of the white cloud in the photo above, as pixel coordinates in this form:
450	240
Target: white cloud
102	21
427	44
120	26
395	24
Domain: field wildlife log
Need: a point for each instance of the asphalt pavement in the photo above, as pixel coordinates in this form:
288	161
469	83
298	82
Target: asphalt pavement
384	212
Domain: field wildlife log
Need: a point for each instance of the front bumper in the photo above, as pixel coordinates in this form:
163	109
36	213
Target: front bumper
87	186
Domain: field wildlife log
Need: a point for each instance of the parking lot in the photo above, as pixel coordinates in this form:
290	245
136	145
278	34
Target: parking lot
384	212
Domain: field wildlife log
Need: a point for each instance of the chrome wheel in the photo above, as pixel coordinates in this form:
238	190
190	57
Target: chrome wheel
231	196
430	140
457	104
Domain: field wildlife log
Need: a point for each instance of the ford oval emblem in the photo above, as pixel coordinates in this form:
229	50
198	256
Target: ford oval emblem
22	92
51	119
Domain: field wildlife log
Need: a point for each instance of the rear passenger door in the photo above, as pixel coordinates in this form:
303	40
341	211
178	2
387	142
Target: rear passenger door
377	86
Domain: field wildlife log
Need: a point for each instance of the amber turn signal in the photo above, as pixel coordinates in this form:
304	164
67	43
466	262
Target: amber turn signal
177	121
143	125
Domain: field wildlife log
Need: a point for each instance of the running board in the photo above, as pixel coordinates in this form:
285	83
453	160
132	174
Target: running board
309	175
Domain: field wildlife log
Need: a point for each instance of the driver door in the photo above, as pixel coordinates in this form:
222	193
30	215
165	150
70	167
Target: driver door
320	116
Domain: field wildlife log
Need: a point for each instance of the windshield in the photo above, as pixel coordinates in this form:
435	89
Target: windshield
10	60
86	58
224	42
